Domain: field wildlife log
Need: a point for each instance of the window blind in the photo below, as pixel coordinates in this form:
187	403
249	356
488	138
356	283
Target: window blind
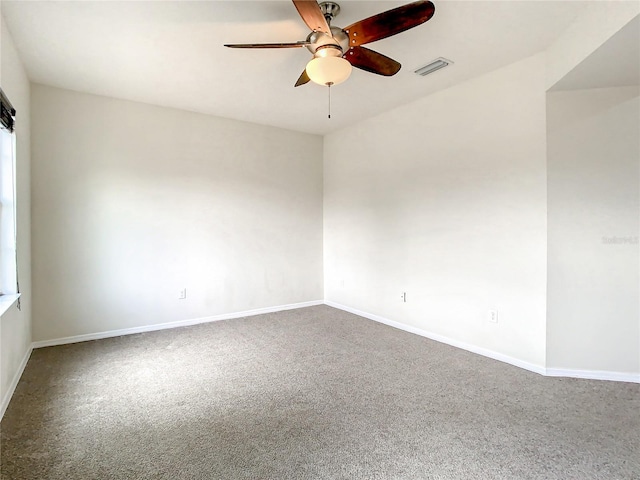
7	112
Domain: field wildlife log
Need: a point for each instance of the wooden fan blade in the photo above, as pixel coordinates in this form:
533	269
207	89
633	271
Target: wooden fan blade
267	45
370	61
310	12
304	78
389	23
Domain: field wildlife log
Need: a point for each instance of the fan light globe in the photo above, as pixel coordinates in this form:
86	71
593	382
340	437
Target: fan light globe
328	70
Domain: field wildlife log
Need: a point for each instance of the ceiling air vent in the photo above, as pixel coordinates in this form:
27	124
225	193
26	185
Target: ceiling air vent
437	64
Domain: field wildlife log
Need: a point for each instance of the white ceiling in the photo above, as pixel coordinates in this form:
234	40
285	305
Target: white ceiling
171	53
615	64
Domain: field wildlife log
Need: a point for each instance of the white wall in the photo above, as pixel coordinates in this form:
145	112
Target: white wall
594	223
445	199
132	203
15	325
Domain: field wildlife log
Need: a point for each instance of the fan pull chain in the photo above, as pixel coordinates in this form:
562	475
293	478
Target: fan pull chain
329	85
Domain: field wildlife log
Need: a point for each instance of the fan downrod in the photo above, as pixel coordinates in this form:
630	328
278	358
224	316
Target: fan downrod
338	41
330	10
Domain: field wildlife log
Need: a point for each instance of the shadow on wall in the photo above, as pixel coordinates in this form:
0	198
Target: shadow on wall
593	121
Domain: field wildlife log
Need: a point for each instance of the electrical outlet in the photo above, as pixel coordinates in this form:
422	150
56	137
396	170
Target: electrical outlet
183	294
492	316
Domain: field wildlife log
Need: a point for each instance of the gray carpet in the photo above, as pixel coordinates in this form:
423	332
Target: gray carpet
314	393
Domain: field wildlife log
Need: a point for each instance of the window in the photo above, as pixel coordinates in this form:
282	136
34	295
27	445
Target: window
8	260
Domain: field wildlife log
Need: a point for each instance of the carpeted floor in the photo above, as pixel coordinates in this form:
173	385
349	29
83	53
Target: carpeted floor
314	393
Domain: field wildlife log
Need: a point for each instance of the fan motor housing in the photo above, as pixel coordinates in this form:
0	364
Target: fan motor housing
320	39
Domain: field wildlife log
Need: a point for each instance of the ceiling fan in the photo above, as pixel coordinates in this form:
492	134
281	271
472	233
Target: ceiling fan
335	50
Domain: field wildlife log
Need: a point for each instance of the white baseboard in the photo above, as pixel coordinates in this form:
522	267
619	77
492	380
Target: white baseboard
14	382
442	339
550	372
594	375
164	326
